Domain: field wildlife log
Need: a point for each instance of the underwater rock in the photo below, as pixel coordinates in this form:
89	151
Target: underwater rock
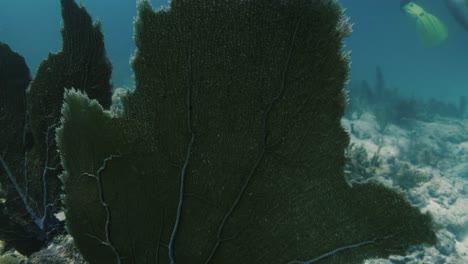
60	251
446	242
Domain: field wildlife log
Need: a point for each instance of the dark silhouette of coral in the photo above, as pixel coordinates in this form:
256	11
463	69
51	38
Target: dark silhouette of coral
30	164
230	149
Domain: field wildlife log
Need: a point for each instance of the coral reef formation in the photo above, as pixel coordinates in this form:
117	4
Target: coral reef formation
427	163
30	163
230	149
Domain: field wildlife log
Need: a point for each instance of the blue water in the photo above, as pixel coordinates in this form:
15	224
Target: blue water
32	28
382	36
